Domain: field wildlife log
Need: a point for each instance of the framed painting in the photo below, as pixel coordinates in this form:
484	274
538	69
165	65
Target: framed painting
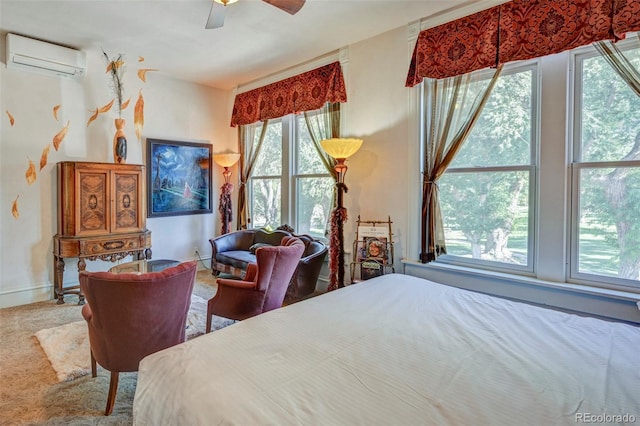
178	178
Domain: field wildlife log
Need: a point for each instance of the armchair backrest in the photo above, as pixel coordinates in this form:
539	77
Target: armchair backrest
133	315
270	237
276	265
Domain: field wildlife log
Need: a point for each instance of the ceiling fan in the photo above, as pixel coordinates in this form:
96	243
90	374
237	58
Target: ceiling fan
219	7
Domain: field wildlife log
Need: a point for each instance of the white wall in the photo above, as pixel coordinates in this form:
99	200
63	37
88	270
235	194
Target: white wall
377	110
383	177
384	180
174	110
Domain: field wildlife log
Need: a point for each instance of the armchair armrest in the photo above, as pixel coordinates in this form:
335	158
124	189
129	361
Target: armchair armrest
250	274
248	285
317	249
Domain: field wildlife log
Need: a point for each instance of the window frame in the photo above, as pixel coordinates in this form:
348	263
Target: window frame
290	177
576	166
532	168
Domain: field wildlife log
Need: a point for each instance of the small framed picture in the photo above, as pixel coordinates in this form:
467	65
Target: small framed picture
370	269
376	249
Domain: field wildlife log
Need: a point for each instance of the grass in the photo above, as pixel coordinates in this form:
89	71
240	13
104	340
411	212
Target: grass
597	254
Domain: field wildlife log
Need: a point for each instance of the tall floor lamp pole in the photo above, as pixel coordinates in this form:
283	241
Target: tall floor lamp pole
340	149
225	207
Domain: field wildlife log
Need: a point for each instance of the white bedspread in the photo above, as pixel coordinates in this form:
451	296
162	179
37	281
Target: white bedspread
397	350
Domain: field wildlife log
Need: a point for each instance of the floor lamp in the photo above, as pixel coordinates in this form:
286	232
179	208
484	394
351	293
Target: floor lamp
340	149
226	207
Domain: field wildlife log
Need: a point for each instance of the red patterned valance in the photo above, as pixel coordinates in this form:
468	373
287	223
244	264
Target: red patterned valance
304	92
457	47
528	29
626	17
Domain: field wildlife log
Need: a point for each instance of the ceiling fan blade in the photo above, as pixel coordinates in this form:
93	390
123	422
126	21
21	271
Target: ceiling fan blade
290	6
216	16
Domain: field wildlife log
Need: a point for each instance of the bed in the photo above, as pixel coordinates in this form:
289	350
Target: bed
398	350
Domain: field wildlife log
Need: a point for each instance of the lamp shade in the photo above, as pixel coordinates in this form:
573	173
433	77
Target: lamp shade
341	147
226	160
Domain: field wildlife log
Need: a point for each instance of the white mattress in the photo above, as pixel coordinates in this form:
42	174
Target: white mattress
397	350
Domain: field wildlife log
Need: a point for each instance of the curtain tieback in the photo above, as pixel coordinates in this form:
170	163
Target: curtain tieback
431	182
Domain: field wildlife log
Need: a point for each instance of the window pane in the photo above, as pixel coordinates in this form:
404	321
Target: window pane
609	234
610	124
486	215
269	162
308	160
502	134
265	203
607	214
314	205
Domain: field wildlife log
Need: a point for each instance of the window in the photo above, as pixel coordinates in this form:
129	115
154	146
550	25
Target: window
548	182
605	237
487	195
290	183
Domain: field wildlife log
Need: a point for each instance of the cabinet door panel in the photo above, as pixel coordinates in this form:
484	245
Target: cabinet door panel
127	202
93	211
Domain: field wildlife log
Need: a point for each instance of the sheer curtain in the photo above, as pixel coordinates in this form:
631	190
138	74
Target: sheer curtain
620	63
452	107
248	155
326	125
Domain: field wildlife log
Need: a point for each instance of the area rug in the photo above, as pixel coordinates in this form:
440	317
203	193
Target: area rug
67	346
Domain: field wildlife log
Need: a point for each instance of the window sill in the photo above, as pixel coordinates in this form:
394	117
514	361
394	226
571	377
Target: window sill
597	291
594	301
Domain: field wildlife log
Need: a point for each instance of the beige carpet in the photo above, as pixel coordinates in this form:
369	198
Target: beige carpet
67	346
30	393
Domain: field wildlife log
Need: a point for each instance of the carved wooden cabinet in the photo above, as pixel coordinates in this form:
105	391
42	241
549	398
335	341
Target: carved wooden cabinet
101	215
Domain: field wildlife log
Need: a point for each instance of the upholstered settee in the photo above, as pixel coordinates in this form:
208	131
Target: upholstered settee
232	252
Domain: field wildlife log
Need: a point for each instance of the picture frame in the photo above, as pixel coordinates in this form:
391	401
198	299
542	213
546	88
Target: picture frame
178	178
372	237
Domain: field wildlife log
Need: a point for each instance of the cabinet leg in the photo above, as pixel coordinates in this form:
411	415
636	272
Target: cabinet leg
58	274
82	265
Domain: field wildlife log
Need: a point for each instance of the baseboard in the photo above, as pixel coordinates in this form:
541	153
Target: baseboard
25	296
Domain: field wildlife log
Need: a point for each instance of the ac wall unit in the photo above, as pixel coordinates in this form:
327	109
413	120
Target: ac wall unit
43	57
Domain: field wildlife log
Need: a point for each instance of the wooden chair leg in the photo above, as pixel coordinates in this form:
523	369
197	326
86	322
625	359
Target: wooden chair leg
94	368
208	329
113	388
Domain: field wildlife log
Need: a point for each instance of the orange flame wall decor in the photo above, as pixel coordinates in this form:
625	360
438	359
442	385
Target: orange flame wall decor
142	73
31	173
93	117
11	119
44	156
107	107
57	139
55	112
14	208
138	115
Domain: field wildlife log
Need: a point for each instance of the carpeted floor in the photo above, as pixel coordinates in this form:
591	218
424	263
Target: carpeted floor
30	393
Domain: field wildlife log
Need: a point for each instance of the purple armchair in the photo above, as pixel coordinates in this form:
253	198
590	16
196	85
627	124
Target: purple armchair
133	315
264	286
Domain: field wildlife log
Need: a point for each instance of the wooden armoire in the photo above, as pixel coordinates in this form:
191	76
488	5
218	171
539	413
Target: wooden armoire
101	215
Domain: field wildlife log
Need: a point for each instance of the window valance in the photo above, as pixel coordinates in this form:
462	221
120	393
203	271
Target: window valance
518	30
304	92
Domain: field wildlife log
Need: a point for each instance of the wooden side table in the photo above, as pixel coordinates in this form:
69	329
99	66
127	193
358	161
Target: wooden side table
108	248
143	266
